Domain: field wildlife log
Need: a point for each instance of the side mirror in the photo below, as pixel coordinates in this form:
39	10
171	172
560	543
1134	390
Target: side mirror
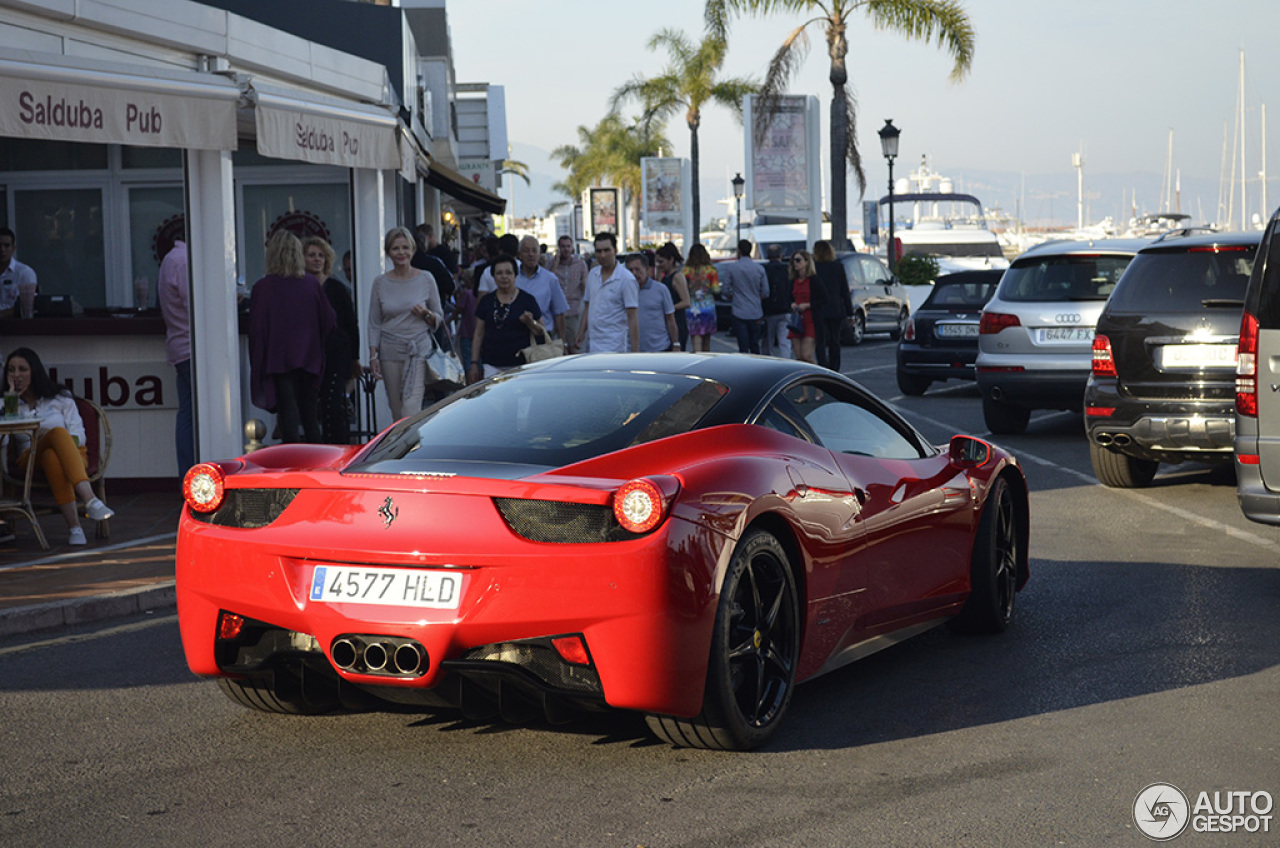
968	452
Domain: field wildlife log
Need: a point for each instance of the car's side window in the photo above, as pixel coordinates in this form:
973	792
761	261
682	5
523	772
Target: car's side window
875	273
853	271
776	419
845	426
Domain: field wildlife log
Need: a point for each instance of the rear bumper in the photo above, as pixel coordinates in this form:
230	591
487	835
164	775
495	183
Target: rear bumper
644	607
937	363
1169	431
1038	389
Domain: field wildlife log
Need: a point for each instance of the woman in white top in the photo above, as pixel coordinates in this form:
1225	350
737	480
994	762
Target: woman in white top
59	441
404	309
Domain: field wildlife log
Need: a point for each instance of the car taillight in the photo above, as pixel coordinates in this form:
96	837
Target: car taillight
909	331
203	487
1247	367
994	322
1104	364
639	505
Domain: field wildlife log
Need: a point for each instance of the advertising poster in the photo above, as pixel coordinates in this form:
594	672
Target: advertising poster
662	180
603	205
779	164
871	223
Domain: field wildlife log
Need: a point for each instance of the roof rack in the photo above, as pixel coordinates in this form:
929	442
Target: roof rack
1183	232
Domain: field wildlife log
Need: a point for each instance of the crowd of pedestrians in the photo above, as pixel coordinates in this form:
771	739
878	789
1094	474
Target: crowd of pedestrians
508	296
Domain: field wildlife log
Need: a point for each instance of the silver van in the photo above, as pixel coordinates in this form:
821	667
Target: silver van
1257	439
1035	336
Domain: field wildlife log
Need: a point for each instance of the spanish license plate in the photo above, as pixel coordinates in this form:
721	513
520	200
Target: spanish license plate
388	587
1064	335
956	331
1196	356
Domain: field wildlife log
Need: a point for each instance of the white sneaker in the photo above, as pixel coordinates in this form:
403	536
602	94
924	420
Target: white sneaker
98	511
76	537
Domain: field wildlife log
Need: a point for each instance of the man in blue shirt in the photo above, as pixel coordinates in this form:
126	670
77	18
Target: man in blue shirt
543	284
656	316
744	282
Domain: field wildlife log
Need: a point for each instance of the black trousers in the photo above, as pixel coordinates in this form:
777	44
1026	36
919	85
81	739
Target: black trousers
827	341
335	418
298	406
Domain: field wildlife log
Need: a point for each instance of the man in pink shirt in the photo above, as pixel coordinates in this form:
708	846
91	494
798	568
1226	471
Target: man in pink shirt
174	294
572	271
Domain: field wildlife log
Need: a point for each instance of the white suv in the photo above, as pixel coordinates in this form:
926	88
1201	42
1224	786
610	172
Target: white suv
1035	337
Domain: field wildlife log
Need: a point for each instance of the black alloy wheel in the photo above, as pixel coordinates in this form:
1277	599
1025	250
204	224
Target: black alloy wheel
994	568
755	648
903	317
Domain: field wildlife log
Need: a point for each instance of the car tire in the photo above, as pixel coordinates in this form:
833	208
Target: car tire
995	565
284	693
896	332
755	648
1119	470
1003	419
855	330
912	384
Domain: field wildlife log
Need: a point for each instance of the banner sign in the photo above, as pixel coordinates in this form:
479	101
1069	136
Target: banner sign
779	160
662	193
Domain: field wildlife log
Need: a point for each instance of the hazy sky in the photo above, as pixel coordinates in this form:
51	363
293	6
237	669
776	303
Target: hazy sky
1111	78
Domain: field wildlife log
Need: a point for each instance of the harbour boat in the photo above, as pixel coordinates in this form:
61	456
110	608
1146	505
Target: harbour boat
932	219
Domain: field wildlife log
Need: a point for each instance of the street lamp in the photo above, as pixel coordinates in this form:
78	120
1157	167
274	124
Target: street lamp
739	187
889	147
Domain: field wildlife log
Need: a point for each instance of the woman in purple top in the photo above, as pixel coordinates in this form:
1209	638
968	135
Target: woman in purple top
289	319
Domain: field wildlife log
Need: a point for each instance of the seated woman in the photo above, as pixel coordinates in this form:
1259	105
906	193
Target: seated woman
59	441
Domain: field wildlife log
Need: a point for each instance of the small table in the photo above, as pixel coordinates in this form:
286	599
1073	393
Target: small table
22	506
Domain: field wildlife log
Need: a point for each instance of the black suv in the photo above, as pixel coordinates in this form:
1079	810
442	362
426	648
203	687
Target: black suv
1257	441
1162	387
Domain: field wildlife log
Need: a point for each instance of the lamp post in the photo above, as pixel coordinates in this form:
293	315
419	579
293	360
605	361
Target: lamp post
739	187
889	147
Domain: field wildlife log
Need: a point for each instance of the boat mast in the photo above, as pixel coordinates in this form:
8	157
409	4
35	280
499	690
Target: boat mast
1244	205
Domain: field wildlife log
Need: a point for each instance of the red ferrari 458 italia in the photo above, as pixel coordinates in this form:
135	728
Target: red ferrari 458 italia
685	535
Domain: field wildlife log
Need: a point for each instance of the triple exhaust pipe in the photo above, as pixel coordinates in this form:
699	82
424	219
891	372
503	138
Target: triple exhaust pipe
391	656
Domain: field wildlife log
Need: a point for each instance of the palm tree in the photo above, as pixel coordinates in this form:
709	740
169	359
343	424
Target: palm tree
688	82
941	21
611	152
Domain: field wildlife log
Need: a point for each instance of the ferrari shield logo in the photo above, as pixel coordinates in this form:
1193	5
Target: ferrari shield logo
389	511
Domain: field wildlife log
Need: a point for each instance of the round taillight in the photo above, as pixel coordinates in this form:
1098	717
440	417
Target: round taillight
203	487
639	506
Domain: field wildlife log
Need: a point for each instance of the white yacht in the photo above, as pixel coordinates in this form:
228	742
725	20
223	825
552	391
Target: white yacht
932	219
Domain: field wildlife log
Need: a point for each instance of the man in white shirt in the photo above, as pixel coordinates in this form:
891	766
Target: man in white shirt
542	284
13	274
610	306
657	313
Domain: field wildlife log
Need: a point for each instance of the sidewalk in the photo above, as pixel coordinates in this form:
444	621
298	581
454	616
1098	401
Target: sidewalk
130	572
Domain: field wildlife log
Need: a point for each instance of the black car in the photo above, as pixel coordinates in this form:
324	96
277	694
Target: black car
940	341
1163	381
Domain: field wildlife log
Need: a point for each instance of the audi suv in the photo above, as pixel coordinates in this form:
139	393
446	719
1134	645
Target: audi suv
1164	357
1035	336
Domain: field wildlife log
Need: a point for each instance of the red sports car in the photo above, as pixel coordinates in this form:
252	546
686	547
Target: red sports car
685	535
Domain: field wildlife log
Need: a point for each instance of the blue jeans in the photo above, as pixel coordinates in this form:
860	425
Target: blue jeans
184	435
748	332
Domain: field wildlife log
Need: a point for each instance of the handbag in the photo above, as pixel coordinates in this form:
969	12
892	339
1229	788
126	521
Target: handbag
443	370
795	323
535	352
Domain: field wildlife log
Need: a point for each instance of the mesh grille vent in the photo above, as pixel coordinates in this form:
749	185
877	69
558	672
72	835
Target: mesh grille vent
248	508
566	523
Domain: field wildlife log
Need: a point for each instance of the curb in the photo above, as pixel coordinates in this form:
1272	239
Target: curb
19	620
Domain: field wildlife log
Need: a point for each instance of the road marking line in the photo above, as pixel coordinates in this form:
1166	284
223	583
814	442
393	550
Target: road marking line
1185	515
85	637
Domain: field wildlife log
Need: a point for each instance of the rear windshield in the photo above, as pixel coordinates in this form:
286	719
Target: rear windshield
1048	279
547	419
1185	280
962	290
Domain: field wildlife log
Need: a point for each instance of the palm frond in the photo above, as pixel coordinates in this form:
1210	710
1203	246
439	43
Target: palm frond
794	49
943	22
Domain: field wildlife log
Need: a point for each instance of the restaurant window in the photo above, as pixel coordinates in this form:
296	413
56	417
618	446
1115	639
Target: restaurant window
61	237
305	209
28	154
155	220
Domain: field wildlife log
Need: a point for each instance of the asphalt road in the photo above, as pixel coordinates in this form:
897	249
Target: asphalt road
1144	650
